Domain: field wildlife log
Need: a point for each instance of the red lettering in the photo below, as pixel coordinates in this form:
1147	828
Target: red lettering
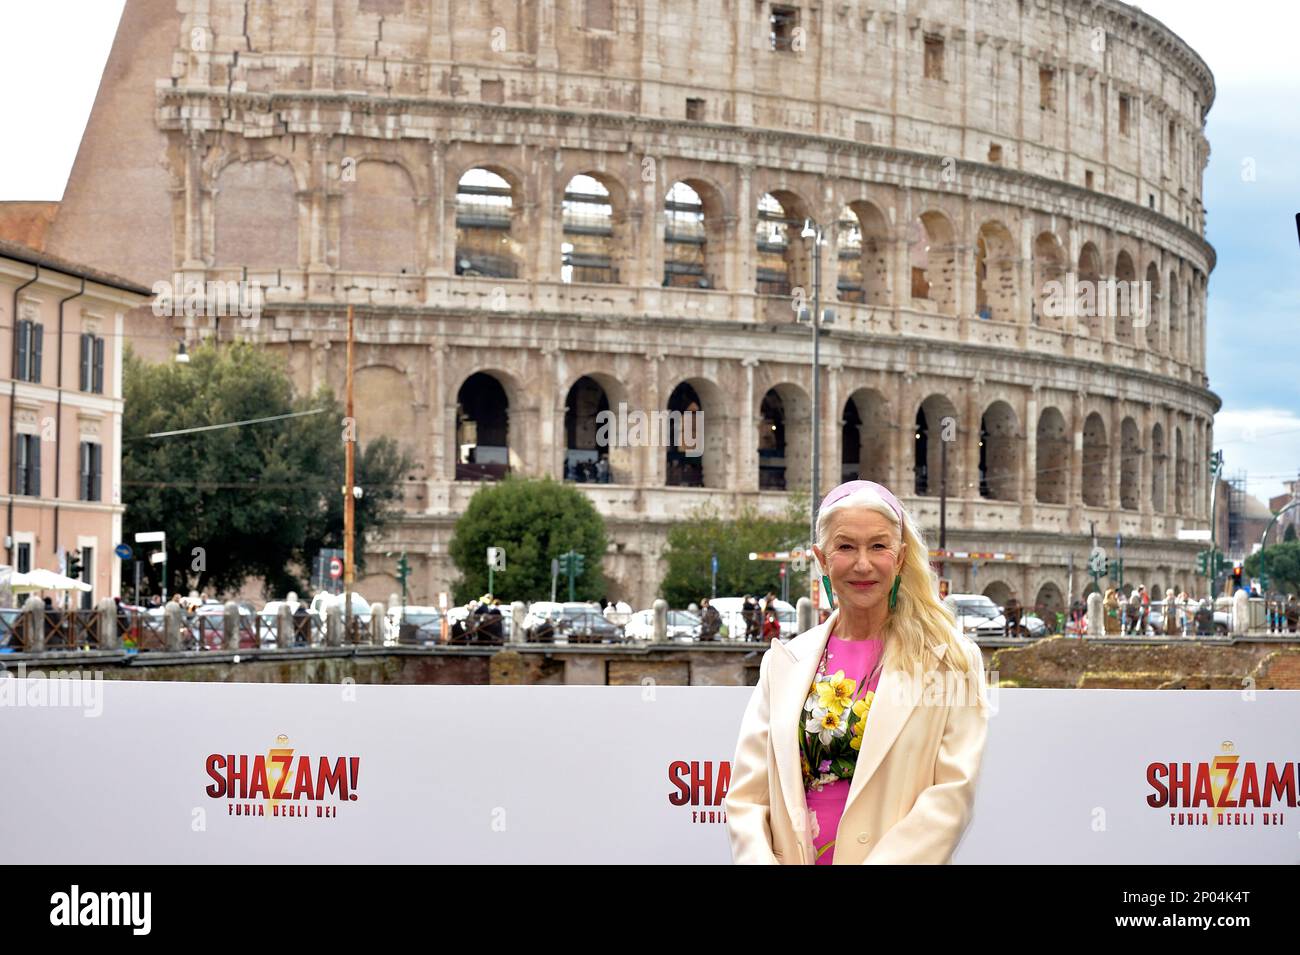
332	778
1161	795
675	770
215	764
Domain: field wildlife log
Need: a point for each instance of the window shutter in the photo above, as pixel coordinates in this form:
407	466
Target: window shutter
34	443
97	456
83	472
24	330
37	340
85	362
97	378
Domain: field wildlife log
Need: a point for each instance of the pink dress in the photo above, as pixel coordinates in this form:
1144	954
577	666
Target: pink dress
857	658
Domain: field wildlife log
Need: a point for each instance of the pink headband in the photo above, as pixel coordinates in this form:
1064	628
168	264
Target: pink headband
850	487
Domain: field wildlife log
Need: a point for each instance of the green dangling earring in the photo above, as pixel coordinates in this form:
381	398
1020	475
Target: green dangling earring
893	591
826	582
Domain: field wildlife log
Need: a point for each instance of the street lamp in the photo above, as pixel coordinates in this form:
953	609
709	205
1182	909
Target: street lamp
812	230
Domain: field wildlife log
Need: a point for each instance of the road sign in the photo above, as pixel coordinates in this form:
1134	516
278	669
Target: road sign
123	551
714	563
150	537
336	568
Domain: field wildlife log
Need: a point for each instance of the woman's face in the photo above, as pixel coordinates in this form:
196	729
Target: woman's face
863	554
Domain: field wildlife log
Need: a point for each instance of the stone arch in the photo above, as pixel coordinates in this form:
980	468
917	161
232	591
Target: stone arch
1049	600
595	243
488	226
1130	465
1095	455
1090	311
1155	301
995	273
1052	464
999	453
784	438
1175	322
255	215
695	457
1050	268
863	247
866	437
931	433
487	448
1127	299
780	261
1158	458
695	238
999	591
378	228
932	252
594	429
1180	473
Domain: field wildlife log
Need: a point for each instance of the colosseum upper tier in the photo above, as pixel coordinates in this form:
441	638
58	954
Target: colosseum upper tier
543	211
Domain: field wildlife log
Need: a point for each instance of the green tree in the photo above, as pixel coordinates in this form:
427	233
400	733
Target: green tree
1281	563
257	499
535	520
706	532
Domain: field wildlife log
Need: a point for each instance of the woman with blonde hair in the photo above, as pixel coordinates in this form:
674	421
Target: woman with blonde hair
846	752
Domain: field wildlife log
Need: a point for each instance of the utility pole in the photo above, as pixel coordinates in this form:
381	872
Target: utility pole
349	515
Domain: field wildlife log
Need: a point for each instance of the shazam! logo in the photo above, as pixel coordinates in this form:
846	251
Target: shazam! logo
281	784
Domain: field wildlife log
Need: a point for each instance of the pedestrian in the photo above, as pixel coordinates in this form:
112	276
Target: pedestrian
1110	611
1184	613
771	623
1144	609
1292	613
710	620
602	470
749	612
1011	617
1171	626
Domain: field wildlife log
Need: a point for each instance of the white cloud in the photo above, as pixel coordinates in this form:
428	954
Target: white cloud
1263	442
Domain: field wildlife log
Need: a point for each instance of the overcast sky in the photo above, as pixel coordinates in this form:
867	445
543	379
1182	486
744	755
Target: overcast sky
52	54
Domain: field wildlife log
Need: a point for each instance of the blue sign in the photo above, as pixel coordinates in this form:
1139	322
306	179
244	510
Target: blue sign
123	551
715	563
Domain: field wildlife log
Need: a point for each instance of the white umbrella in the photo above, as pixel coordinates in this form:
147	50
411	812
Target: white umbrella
45	580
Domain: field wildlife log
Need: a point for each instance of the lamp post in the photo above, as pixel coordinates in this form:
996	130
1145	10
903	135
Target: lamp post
812	230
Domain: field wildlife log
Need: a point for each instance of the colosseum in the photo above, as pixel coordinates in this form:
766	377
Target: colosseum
545	211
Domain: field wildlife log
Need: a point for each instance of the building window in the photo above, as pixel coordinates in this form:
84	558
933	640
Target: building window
1151	200
1125	113
23	560
91	467
1046	88
694	108
27	465
934	57
600	15
1087	178
31	336
995	152
92	363
784	24
1173	142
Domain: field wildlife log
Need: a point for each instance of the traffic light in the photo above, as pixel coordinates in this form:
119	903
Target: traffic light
74	565
403	569
1236	575
1202	562
580	564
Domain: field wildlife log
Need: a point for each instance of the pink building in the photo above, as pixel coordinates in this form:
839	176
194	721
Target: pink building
61	403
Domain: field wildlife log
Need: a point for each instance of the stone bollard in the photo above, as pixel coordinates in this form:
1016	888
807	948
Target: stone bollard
173	626
34	614
378	624
1096	621
1240	613
108	624
334	626
660	634
230	625
284	635
803	610
517	614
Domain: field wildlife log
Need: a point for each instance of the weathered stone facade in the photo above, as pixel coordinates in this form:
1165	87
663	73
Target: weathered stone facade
418	160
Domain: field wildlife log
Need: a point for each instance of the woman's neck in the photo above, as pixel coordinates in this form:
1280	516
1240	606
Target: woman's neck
861	624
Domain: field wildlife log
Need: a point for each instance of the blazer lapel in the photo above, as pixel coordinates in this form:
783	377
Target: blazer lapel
791	677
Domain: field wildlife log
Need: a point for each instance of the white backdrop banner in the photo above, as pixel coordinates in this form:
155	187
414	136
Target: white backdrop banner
143	772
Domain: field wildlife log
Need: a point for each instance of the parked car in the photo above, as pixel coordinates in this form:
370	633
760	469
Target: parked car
549	621
420	625
207	624
1156	619
682	625
324	600
269	617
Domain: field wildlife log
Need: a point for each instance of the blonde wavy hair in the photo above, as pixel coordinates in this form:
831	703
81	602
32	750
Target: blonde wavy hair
920	620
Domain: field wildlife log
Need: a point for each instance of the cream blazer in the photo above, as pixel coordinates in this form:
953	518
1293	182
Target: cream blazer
912	789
